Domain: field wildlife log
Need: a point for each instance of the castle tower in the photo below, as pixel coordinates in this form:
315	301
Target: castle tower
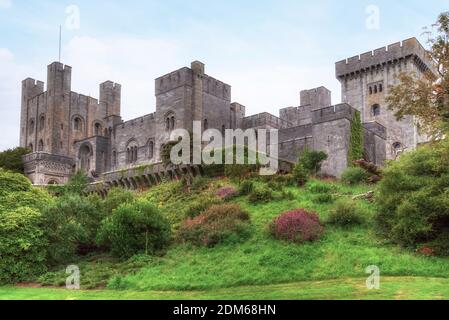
110	94
366	79
30	89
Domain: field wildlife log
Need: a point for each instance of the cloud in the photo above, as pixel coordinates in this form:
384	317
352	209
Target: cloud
5	4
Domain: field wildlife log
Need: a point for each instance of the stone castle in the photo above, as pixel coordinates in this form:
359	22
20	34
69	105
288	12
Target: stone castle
68	131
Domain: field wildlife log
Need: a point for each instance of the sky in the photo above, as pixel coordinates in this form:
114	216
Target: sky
267	50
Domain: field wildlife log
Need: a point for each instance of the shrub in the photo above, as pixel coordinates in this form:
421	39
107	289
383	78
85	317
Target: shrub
354	175
198	206
346	213
300	175
413	196
71	224
286	195
77	183
115	198
218	224
22	245
13	182
311	161
297	226
199	184
35	198
323	198
226	193
12	159
319	187
134	228
246	187
260	195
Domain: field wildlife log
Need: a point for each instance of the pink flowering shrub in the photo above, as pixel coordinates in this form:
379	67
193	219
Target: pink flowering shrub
297	226
226	193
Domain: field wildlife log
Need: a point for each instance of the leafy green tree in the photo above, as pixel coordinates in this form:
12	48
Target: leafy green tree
427	97
77	183
311	161
12	159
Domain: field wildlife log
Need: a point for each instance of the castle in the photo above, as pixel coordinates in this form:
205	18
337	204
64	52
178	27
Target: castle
68	131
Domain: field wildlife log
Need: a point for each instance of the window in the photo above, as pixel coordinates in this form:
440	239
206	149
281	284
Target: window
370	90
381	88
172	123
40	147
375	109
32	125
31	147
223	129
206	124
167	124
97	129
151	150
114	158
375	89
77	124
42	123
132	152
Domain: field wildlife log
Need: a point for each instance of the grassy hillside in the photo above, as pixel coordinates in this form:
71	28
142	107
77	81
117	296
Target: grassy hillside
260	261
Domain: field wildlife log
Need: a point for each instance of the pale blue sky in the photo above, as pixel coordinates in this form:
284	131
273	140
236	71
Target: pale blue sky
267	50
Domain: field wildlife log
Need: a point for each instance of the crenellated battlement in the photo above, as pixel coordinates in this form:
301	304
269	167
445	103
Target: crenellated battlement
332	113
410	48
148	118
173	80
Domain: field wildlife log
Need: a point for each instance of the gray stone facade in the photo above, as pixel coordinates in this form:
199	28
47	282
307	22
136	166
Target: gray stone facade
68	131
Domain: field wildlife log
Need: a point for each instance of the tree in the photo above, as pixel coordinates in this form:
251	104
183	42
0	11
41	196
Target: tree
11	159
427	97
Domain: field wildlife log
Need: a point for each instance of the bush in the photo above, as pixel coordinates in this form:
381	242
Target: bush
323	198
319	187
300	175
22	245
71	224
35	198
311	161
13	182
413	196
77	183
354	175
115	198
246	187
199	184
226	193
12	159
199	206
260	195
218	224
297	226
134	228
346	213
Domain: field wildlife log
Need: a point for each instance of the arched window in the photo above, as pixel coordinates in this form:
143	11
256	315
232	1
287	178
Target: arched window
40	147
172	123
97	129
77	124
375	89
132	152
31	147
150	150
370	90
32	125
42	123
114	158
397	148
206	124
381	88
375	110
223	129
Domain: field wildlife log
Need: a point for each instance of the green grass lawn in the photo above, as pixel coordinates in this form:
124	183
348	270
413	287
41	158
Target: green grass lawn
261	267
400	288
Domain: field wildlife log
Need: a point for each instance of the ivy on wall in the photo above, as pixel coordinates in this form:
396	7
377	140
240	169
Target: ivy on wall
356	144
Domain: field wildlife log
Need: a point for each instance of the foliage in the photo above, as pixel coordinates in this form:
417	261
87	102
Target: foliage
13	182
71	224
246	187
354	175
346	213
226	193
134	228
260	194
300	175
413	197
427	97
218	224
199	184
22	245
11	159
323	198
35	198
197	207
320	187
374	172
297	226
312	160
77	183
115	198
357	139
